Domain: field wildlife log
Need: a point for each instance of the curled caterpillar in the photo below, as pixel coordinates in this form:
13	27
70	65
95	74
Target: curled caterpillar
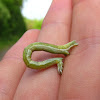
51	48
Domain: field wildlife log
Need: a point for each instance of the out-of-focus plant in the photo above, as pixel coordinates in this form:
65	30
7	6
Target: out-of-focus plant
33	24
11	20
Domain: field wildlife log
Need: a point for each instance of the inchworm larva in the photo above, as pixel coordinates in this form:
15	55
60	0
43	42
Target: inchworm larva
39	46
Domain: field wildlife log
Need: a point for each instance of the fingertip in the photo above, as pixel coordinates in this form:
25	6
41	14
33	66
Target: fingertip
30	35
60	11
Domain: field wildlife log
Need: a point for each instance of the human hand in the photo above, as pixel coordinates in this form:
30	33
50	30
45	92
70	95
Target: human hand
80	78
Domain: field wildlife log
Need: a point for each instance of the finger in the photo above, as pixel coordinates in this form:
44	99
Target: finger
80	78
55	30
12	66
57	23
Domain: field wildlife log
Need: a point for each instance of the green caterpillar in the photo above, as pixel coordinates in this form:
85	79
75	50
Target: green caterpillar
39	46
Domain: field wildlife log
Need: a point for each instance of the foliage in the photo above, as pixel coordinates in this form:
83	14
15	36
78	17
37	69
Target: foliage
11	20
33	24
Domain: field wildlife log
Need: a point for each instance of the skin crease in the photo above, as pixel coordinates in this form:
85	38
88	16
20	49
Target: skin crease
81	75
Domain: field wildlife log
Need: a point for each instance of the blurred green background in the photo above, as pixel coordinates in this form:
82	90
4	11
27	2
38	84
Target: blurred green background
13	24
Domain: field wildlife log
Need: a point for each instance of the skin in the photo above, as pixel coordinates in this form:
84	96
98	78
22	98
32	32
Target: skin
77	20
40	46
